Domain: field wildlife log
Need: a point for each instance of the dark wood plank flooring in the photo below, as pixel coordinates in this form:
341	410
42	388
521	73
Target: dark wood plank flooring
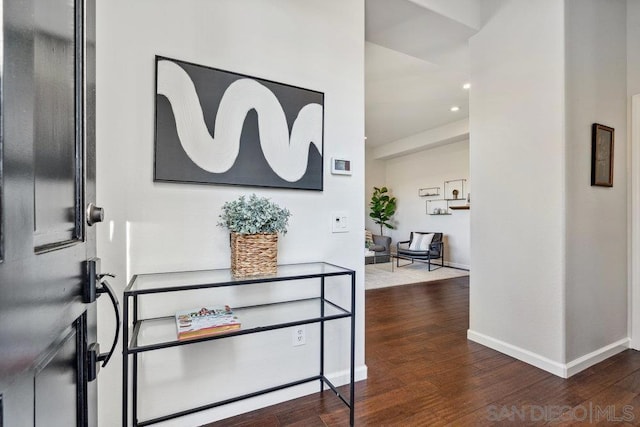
424	372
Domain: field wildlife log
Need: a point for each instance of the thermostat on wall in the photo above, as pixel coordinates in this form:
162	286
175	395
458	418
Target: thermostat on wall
340	166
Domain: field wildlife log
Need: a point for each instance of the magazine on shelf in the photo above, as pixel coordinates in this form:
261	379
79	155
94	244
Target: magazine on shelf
205	321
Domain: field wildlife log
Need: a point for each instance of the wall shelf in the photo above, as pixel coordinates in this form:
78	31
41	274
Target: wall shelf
453	193
429	192
454	189
443	206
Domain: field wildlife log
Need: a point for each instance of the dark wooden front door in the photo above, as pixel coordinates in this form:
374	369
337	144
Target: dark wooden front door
47	178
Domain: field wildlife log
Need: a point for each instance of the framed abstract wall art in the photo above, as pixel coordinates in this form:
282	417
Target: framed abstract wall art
219	127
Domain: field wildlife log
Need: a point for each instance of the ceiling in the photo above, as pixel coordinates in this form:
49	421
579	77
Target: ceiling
416	61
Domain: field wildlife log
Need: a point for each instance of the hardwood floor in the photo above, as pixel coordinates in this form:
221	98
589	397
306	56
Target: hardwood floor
424	372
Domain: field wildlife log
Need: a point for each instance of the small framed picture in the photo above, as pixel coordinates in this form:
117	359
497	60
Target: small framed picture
340	166
601	155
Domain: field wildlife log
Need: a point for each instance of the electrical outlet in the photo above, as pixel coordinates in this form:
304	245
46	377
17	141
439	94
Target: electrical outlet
299	335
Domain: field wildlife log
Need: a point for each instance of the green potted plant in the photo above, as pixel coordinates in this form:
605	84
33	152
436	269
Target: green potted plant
254	225
383	207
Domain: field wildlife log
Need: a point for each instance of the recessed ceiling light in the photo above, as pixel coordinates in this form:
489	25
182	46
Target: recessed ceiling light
454	108
466	86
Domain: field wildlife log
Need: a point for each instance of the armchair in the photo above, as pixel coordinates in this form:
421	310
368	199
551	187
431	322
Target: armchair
420	248
381	248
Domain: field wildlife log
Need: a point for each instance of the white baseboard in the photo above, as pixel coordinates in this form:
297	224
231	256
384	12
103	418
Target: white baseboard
588	360
337	379
559	369
519	353
457	265
342	377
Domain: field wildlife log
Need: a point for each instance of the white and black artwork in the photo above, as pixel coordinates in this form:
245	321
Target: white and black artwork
218	127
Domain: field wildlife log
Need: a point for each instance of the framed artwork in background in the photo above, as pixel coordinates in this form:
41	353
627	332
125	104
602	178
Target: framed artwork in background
602	155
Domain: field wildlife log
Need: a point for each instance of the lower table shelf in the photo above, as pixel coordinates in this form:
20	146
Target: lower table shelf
160	332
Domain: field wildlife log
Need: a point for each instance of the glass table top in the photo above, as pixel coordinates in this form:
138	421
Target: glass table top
159	282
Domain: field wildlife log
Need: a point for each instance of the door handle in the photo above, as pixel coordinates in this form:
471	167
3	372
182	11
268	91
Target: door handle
94	214
106	288
96	285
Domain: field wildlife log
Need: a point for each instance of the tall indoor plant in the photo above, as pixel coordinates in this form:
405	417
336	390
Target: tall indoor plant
254	225
383	207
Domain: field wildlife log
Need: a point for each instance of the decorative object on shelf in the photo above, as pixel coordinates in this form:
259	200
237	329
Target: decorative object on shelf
254	226
429	192
219	127
454	188
383	207
205	322
437	207
601	155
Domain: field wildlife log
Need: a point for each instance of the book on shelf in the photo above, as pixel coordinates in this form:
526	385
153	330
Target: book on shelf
205	322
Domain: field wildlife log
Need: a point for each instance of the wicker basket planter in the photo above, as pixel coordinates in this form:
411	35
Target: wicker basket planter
254	254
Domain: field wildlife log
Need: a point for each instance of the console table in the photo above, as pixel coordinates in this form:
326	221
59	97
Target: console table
255	319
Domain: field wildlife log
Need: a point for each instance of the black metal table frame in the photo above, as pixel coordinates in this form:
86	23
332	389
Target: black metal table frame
131	349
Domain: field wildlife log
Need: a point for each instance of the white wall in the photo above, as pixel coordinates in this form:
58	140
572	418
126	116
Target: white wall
517	169
596	217
375	175
441	135
162	227
633	88
465	11
633	47
430	168
542	73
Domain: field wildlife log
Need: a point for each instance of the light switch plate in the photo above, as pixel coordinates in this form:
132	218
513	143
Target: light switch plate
339	222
